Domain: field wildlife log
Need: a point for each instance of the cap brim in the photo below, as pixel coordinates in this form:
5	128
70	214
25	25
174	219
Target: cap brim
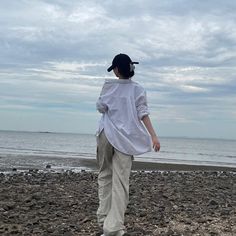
110	68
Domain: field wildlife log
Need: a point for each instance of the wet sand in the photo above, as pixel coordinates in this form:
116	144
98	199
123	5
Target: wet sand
152	166
166	200
26	162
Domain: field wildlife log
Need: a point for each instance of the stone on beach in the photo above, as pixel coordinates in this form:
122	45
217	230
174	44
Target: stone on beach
161	203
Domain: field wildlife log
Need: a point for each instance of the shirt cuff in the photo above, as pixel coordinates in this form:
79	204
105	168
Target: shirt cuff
142	111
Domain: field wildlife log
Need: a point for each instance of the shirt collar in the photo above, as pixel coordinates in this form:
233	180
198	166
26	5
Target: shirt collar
118	81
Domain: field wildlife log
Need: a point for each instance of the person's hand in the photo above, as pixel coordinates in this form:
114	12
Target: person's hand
156	144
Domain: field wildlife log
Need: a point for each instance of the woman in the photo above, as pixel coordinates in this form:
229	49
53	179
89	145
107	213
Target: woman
125	130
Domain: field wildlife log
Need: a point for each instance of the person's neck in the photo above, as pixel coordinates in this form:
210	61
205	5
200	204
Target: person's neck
121	77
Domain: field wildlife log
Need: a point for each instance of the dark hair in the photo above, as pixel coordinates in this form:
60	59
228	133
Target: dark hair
124	64
124	70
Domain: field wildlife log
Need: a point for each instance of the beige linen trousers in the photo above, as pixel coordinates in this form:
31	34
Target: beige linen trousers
113	186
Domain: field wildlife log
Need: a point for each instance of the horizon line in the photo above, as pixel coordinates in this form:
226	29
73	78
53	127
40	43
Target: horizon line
68	132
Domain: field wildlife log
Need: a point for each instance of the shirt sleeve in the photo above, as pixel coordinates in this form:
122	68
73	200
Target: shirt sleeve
101	106
141	105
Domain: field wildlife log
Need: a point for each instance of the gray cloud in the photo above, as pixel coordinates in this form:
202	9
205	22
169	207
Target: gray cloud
54	56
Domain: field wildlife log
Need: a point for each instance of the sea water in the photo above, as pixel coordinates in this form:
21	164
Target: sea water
23	150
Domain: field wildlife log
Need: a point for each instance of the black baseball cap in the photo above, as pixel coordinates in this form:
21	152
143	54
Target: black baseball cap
121	60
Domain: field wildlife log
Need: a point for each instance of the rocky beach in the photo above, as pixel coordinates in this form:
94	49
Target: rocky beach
195	202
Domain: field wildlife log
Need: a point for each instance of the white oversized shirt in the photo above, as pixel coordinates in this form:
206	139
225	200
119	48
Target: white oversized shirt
123	104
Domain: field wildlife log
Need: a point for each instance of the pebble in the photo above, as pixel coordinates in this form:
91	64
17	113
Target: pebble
161	203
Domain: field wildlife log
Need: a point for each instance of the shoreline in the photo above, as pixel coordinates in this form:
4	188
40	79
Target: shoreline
77	164
153	166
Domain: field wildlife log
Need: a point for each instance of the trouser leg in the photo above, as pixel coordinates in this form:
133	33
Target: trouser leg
121	168
104	158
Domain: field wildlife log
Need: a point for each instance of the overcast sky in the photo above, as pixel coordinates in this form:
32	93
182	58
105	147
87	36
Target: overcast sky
54	56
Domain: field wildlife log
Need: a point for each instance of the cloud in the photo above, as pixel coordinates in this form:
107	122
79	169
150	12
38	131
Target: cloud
53	87
54	55
193	89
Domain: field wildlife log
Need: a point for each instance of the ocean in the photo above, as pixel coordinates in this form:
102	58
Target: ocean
62	151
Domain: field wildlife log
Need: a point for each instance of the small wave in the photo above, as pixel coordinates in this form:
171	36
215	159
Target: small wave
19	151
199	154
